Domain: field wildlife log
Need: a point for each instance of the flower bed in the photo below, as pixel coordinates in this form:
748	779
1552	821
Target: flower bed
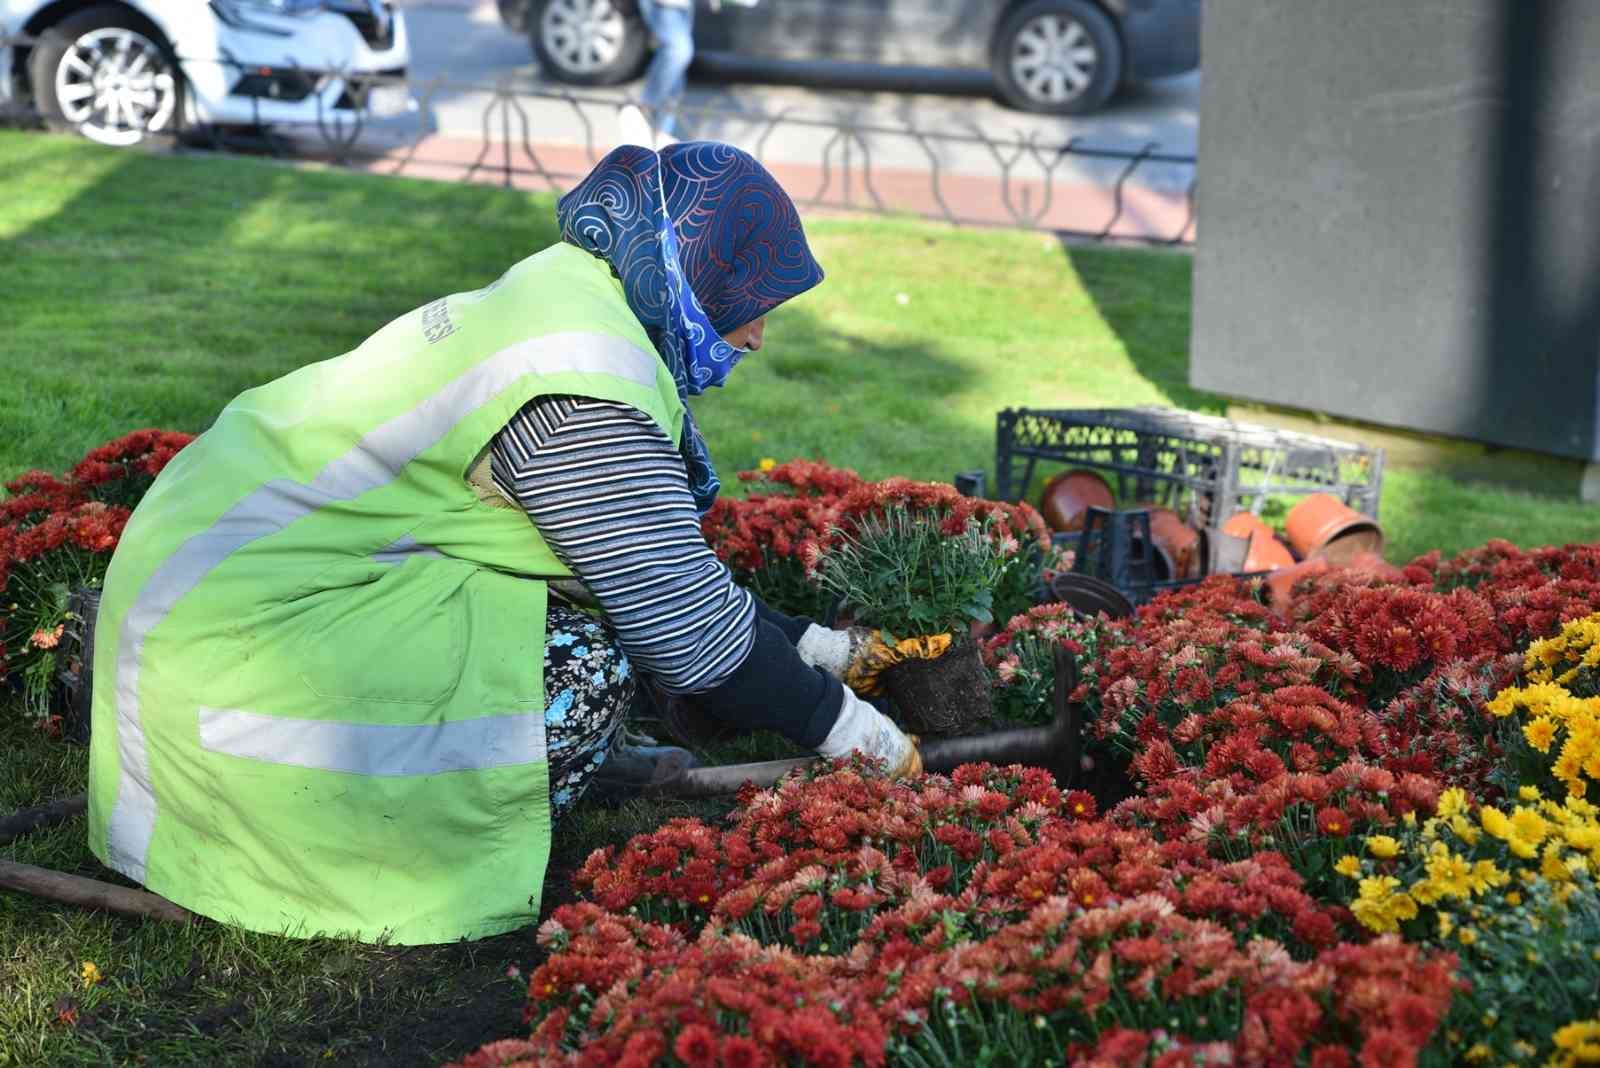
771	538
1362	825
56	536
1361	830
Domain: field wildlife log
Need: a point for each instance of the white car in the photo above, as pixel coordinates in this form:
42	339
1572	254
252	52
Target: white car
118	72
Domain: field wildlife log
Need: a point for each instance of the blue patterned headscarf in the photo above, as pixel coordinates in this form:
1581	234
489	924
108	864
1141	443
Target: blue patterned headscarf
740	253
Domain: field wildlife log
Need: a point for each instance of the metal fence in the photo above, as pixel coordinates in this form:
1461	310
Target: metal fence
535	136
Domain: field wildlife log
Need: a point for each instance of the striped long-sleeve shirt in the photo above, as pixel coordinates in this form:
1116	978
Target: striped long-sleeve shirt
608	491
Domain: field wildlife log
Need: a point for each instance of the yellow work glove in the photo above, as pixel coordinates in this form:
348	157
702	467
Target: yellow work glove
858	656
877	656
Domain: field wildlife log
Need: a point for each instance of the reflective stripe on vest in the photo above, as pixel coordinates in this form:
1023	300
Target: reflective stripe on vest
375	460
375	748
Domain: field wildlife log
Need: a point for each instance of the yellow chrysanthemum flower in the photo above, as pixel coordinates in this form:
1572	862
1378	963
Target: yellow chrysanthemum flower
1577	1034
1495	822
1540	733
1451	874
1527	823
1379	907
1453	802
1486	874
1383	847
1553	866
1348	866
1465	829
1426	891
1529	793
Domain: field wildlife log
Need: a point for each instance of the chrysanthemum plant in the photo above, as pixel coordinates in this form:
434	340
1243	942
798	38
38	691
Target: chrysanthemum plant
905	576
56	536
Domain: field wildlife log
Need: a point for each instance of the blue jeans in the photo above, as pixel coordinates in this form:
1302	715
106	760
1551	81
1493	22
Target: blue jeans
673	28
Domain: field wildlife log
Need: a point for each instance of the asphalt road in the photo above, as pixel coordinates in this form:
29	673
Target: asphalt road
461	53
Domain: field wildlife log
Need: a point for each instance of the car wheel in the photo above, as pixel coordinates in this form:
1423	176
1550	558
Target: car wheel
1058	56
587	42
108	75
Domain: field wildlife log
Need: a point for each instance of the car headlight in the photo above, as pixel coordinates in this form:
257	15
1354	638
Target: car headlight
237	13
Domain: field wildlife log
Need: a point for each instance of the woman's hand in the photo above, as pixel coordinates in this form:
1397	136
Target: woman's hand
858	656
860	726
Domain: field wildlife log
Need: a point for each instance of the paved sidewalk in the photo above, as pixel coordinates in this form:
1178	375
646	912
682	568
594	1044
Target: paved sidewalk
485	114
1083	208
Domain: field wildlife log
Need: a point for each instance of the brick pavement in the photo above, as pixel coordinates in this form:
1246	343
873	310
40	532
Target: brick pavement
1077	207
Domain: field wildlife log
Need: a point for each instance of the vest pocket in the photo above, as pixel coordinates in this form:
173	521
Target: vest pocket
396	634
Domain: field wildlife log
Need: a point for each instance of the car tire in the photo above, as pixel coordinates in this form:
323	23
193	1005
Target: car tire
108	75
1060	57
588	42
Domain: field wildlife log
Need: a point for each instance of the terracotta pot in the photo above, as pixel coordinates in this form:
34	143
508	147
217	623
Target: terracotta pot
1176	540
1266	552
1068	495
1374	564
1322	525
1281	584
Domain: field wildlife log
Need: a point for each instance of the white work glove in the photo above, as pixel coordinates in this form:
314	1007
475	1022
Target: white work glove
832	650
860	726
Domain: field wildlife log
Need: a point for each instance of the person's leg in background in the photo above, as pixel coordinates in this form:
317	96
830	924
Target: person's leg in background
664	82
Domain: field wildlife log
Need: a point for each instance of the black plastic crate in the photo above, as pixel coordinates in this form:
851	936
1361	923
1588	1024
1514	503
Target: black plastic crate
1203	467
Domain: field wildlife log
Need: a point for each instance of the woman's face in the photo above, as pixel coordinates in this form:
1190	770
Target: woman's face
747	336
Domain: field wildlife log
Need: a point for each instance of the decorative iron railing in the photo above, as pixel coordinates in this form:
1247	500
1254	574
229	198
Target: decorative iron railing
545	137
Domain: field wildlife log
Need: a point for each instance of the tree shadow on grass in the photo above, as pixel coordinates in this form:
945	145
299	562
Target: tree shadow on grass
1144	297
163	287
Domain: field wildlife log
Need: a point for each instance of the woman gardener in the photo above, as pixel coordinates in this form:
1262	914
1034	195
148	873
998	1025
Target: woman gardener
340	690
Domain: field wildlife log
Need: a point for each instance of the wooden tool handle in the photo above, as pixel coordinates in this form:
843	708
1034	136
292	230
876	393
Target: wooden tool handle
88	893
39	816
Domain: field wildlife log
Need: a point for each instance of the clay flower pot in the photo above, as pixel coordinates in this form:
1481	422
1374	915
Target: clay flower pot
1266	552
1176	541
1324	526
1281	584
1068	496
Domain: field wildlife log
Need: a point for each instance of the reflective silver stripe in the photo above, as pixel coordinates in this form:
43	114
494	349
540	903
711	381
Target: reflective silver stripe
375	460
402	549
375	749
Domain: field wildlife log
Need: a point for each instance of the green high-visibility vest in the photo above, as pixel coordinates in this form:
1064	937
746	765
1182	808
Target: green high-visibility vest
319	697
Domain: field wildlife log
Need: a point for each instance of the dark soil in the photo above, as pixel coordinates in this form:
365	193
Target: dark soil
474	1002
946	695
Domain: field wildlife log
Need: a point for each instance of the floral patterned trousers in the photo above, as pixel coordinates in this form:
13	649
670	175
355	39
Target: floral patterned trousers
589	687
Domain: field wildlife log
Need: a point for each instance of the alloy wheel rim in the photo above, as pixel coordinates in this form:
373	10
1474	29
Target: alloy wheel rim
115	86
1053	59
582	35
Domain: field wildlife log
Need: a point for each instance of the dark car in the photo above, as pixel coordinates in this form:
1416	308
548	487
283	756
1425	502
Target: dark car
1061	56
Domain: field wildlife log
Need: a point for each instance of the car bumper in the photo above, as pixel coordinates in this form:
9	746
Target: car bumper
1162	37
327	67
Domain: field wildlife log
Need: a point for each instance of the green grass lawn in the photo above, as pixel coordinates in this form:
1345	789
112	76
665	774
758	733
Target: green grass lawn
147	291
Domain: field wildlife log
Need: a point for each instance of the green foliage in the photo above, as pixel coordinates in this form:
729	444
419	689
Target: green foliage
904	575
